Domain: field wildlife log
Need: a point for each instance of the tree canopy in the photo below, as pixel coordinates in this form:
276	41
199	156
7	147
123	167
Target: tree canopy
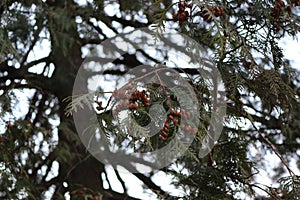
44	44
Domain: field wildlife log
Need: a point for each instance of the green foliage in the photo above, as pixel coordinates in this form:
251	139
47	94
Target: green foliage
290	187
78	102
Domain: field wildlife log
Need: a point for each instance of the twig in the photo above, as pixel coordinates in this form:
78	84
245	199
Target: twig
164	90
272	147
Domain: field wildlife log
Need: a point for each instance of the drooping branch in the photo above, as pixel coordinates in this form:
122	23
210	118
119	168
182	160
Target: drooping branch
151	185
131	23
46	59
121	180
98	29
34	41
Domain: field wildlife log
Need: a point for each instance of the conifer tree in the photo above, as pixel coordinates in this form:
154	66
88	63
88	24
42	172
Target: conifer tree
43	45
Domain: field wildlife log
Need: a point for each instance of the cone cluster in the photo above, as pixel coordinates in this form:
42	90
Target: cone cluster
130	98
182	14
173	119
216	11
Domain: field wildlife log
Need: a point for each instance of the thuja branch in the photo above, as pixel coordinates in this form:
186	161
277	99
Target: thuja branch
164	90
272	147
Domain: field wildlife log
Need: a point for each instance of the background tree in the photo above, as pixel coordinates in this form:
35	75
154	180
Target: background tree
261	86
